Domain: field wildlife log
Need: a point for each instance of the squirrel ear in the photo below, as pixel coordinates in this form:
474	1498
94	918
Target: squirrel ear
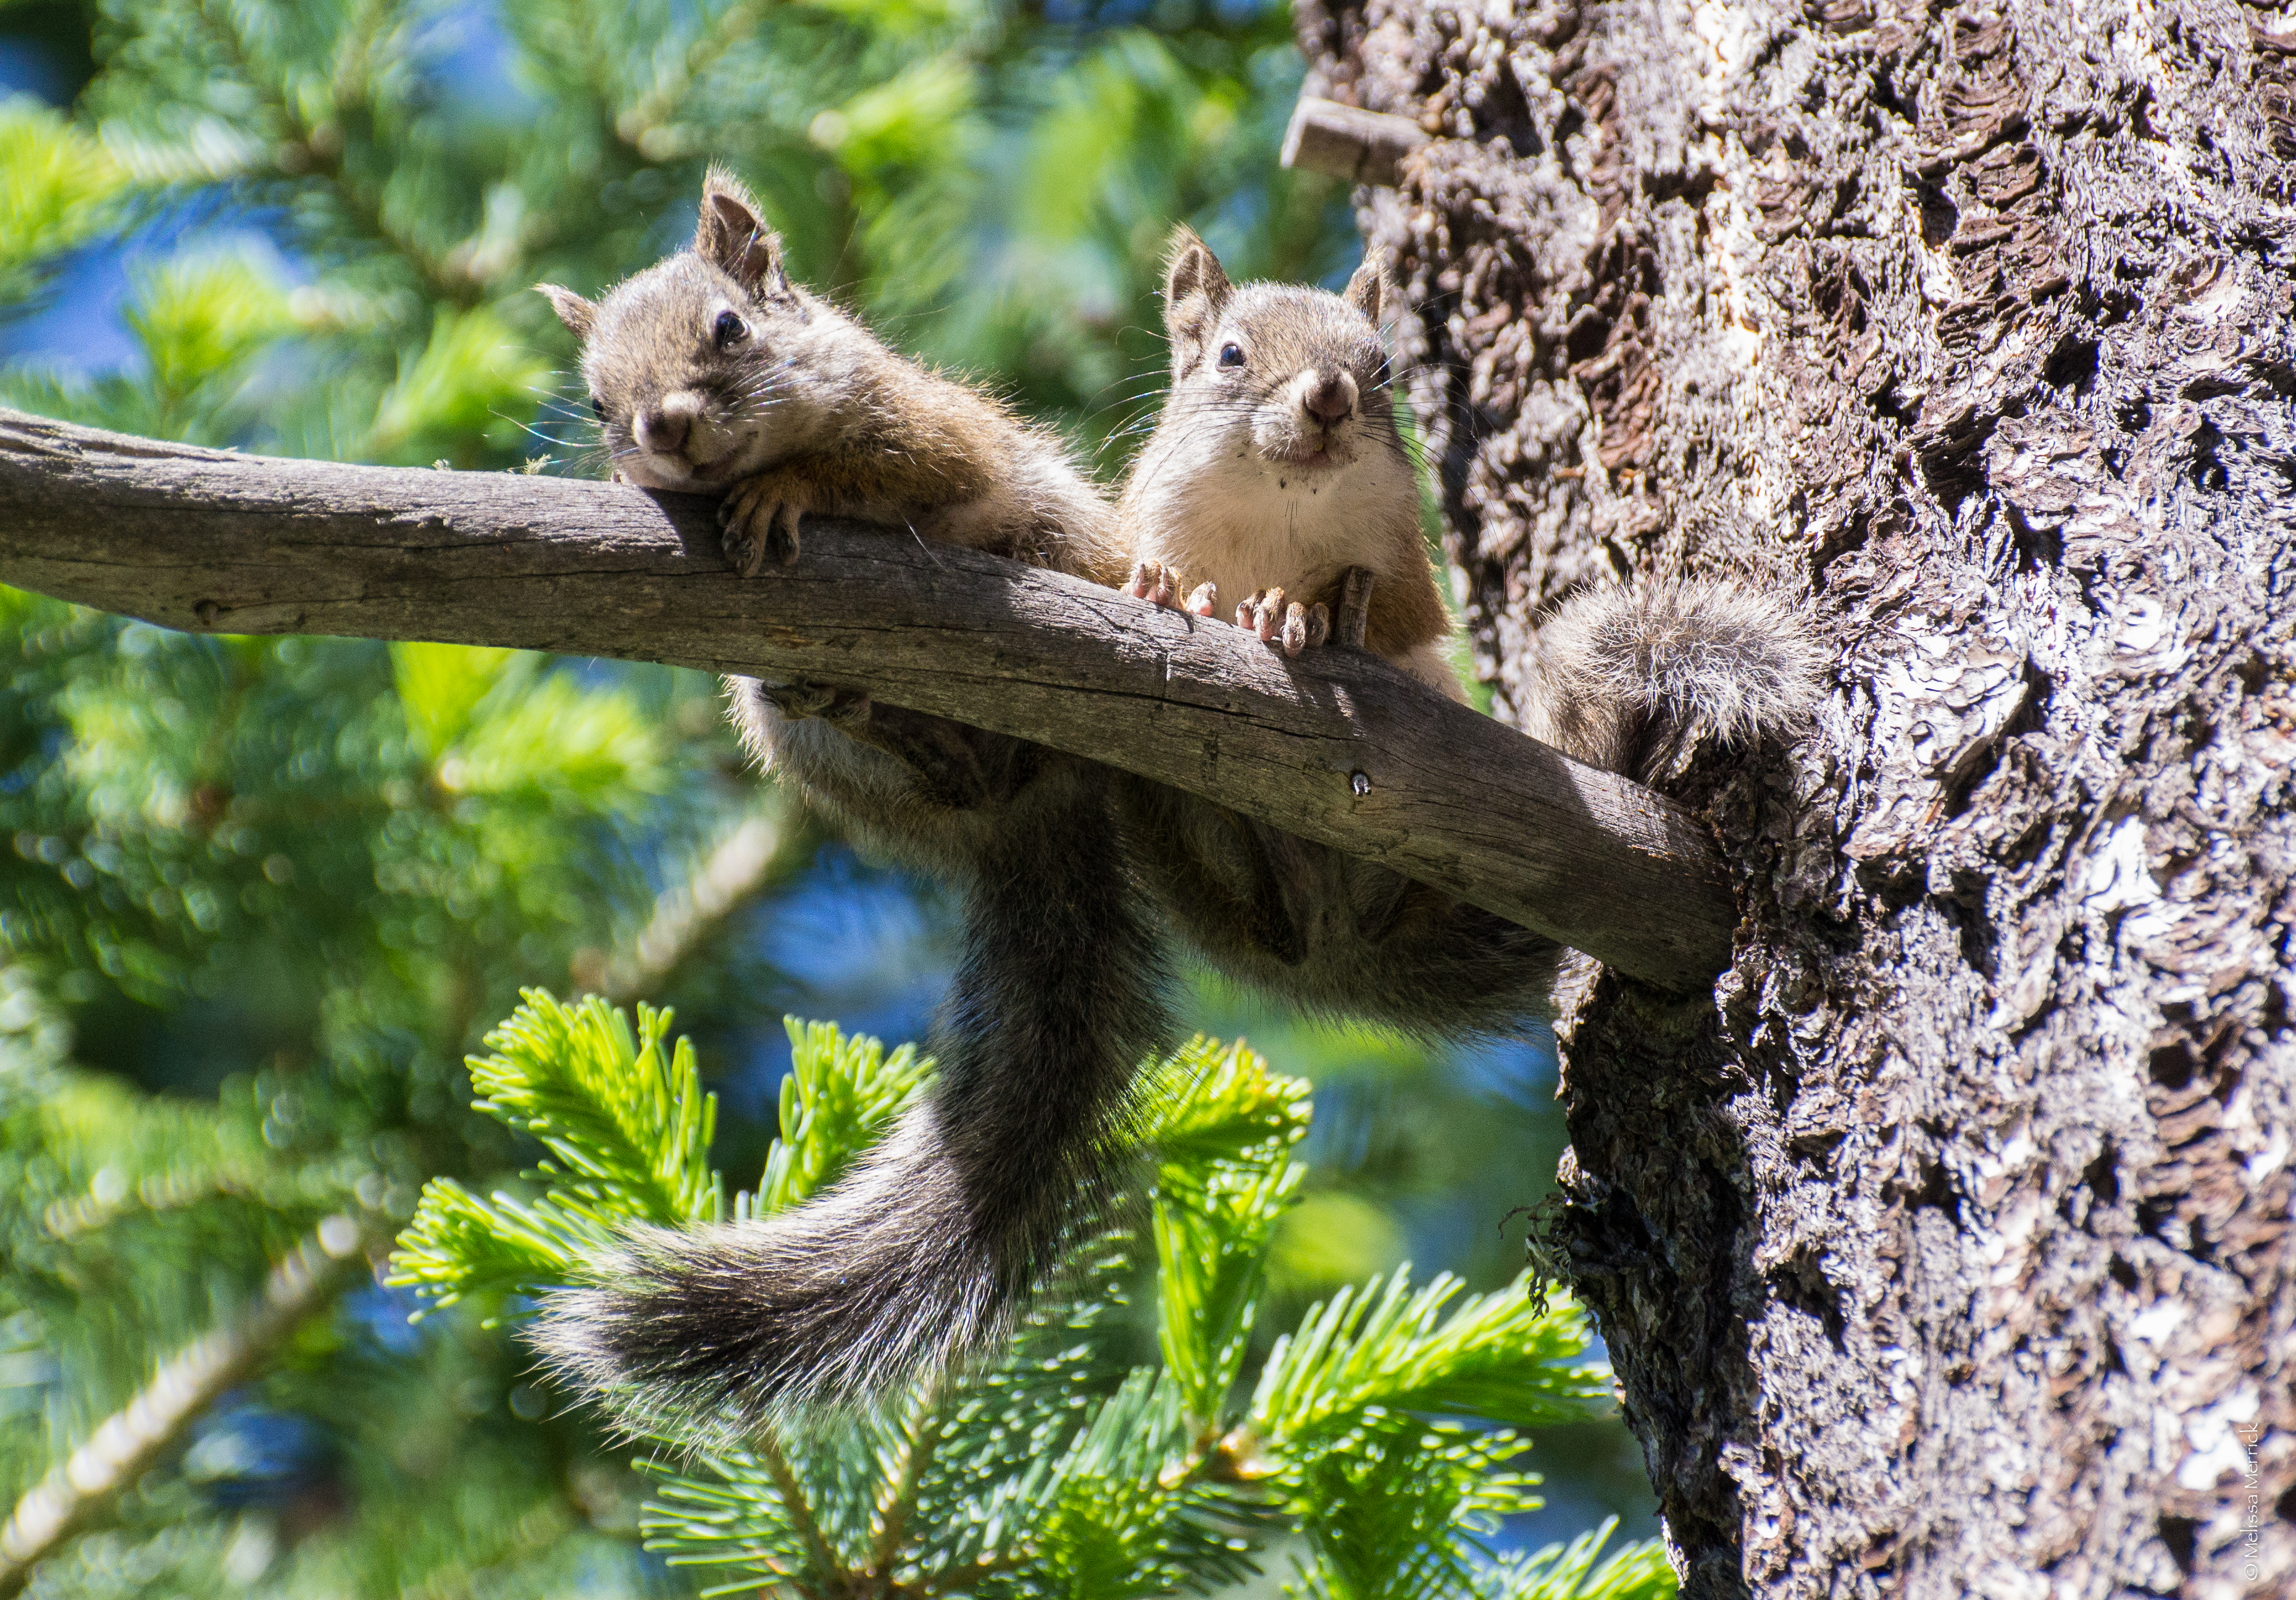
731	234
576	313
1366	288
1195	291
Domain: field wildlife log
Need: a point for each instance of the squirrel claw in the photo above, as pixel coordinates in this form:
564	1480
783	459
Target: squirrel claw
781	541
743	554
758	527
1303	627
1205	601
1292	627
1155	583
845	706
1263	614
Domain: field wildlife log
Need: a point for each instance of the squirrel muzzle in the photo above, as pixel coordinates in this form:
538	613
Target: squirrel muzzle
664	429
1328	397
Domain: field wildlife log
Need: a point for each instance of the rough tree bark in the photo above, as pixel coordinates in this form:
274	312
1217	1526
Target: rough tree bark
1947	1250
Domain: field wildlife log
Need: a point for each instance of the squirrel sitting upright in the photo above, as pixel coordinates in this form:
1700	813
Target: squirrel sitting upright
713	372
1276	475
1276	468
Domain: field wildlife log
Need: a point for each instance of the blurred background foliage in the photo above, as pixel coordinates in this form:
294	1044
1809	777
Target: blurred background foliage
258	897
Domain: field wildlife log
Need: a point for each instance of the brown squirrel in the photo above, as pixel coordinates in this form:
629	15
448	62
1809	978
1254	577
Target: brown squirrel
1276	469
1277	472
711	371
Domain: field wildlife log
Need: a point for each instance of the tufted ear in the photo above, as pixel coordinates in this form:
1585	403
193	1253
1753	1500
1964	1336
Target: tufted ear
1196	293
1368	288
576	313
731	234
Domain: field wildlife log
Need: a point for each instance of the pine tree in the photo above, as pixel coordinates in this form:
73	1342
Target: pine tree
259	898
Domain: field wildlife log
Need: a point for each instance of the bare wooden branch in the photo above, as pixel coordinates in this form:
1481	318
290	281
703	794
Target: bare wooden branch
1337	747
1363	147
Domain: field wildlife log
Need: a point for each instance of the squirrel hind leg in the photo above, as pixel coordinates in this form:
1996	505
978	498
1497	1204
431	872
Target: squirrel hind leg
1633	675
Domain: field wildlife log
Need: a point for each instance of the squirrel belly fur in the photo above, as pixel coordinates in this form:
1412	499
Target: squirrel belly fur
1276	478
713	372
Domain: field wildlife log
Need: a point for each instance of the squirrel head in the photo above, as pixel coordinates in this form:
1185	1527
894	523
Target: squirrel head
686	362
1299	372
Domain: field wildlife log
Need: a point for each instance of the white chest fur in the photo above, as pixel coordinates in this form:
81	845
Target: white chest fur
1246	523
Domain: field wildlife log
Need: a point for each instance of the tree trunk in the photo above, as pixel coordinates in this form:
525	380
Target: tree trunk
1945	1250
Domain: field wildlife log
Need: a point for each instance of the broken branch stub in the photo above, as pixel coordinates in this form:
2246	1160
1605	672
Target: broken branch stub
1363	147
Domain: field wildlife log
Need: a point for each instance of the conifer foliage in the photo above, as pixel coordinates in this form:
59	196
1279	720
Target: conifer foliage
1377	1441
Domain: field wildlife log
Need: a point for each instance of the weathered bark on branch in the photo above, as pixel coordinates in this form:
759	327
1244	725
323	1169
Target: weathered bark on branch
1339	747
1341	141
1950	1252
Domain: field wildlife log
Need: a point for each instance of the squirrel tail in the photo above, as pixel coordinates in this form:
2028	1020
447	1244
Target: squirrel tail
924	1251
1632	676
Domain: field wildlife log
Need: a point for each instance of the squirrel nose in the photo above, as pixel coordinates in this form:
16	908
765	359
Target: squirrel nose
1331	399
662	432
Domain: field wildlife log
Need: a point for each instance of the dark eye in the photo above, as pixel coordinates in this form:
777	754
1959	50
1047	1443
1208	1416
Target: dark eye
598	406
1231	355
730	330
1379	378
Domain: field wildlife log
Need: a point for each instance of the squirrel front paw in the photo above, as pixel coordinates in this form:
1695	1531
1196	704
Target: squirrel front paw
844	708
760	520
1292	627
1160	585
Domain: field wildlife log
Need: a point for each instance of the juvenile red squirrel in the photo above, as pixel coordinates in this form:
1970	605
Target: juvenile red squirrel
712	371
1276	476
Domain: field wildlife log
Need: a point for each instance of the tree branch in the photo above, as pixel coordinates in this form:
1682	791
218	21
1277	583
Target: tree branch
1363	147
131	1438
689	911
1338	747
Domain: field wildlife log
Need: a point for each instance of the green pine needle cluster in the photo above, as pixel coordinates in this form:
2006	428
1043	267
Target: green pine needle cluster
629	1131
1373	1454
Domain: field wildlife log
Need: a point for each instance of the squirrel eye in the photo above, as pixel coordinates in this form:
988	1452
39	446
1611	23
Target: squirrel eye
731	330
1379	378
598	406
1231	355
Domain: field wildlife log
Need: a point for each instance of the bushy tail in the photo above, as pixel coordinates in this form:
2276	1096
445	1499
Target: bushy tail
926	1249
1631	677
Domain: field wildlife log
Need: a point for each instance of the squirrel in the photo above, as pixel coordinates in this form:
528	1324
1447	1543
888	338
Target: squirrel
1278	472
713	372
1276	468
